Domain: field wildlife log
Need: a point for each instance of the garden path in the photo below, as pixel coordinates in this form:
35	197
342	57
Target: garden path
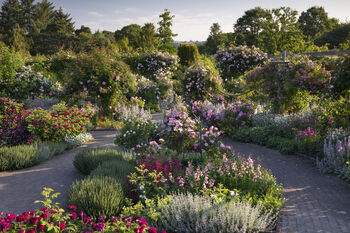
314	202
19	189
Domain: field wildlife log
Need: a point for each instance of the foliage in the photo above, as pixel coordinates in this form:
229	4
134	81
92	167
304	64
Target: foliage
335	37
188	54
29	84
215	40
134	132
132	112
99	77
248	27
235	115
10	63
117	169
341	80
155	71
79	139
50	149
201	82
193	213
98	196
13	125
314	22
89	159
235	61
17	157
165	33
178	127
61	121
336	154
289	87
280	32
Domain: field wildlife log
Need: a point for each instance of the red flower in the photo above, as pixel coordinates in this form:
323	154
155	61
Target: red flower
40	227
62	226
33	220
152	230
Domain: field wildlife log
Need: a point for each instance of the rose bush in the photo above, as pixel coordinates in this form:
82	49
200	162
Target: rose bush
59	122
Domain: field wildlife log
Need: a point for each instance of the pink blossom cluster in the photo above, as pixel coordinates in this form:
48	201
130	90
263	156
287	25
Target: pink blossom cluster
309	132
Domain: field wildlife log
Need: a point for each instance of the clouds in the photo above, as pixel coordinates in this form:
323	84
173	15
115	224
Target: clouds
94	13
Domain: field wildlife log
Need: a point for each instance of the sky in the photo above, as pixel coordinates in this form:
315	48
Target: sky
193	18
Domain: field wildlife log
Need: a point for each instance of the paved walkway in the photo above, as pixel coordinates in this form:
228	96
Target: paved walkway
19	189
314	202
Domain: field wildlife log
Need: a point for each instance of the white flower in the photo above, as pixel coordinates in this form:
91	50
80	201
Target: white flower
233	193
213	195
142	187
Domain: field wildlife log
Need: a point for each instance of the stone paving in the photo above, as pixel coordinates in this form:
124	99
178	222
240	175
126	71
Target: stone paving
19	189
314	202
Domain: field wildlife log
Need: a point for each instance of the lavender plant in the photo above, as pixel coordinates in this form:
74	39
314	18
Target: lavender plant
193	213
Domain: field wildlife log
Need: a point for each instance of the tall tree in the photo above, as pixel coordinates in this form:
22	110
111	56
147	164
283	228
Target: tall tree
165	34
215	39
248	27
280	32
61	23
340	34
10	15
315	22
43	15
149	38
132	32
27	15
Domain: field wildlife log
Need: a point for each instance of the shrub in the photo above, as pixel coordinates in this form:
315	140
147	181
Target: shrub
10	63
89	159
61	121
13	125
201	82
192	213
118	169
17	157
29	84
235	61
290	87
135	132
50	149
98	196
79	139
188	54
133	112
336	154
341	81
99	77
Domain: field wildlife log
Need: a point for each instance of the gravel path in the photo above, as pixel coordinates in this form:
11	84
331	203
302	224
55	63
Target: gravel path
314	202
19	189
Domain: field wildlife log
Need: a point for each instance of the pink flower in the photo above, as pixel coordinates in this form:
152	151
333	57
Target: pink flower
331	121
195	146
